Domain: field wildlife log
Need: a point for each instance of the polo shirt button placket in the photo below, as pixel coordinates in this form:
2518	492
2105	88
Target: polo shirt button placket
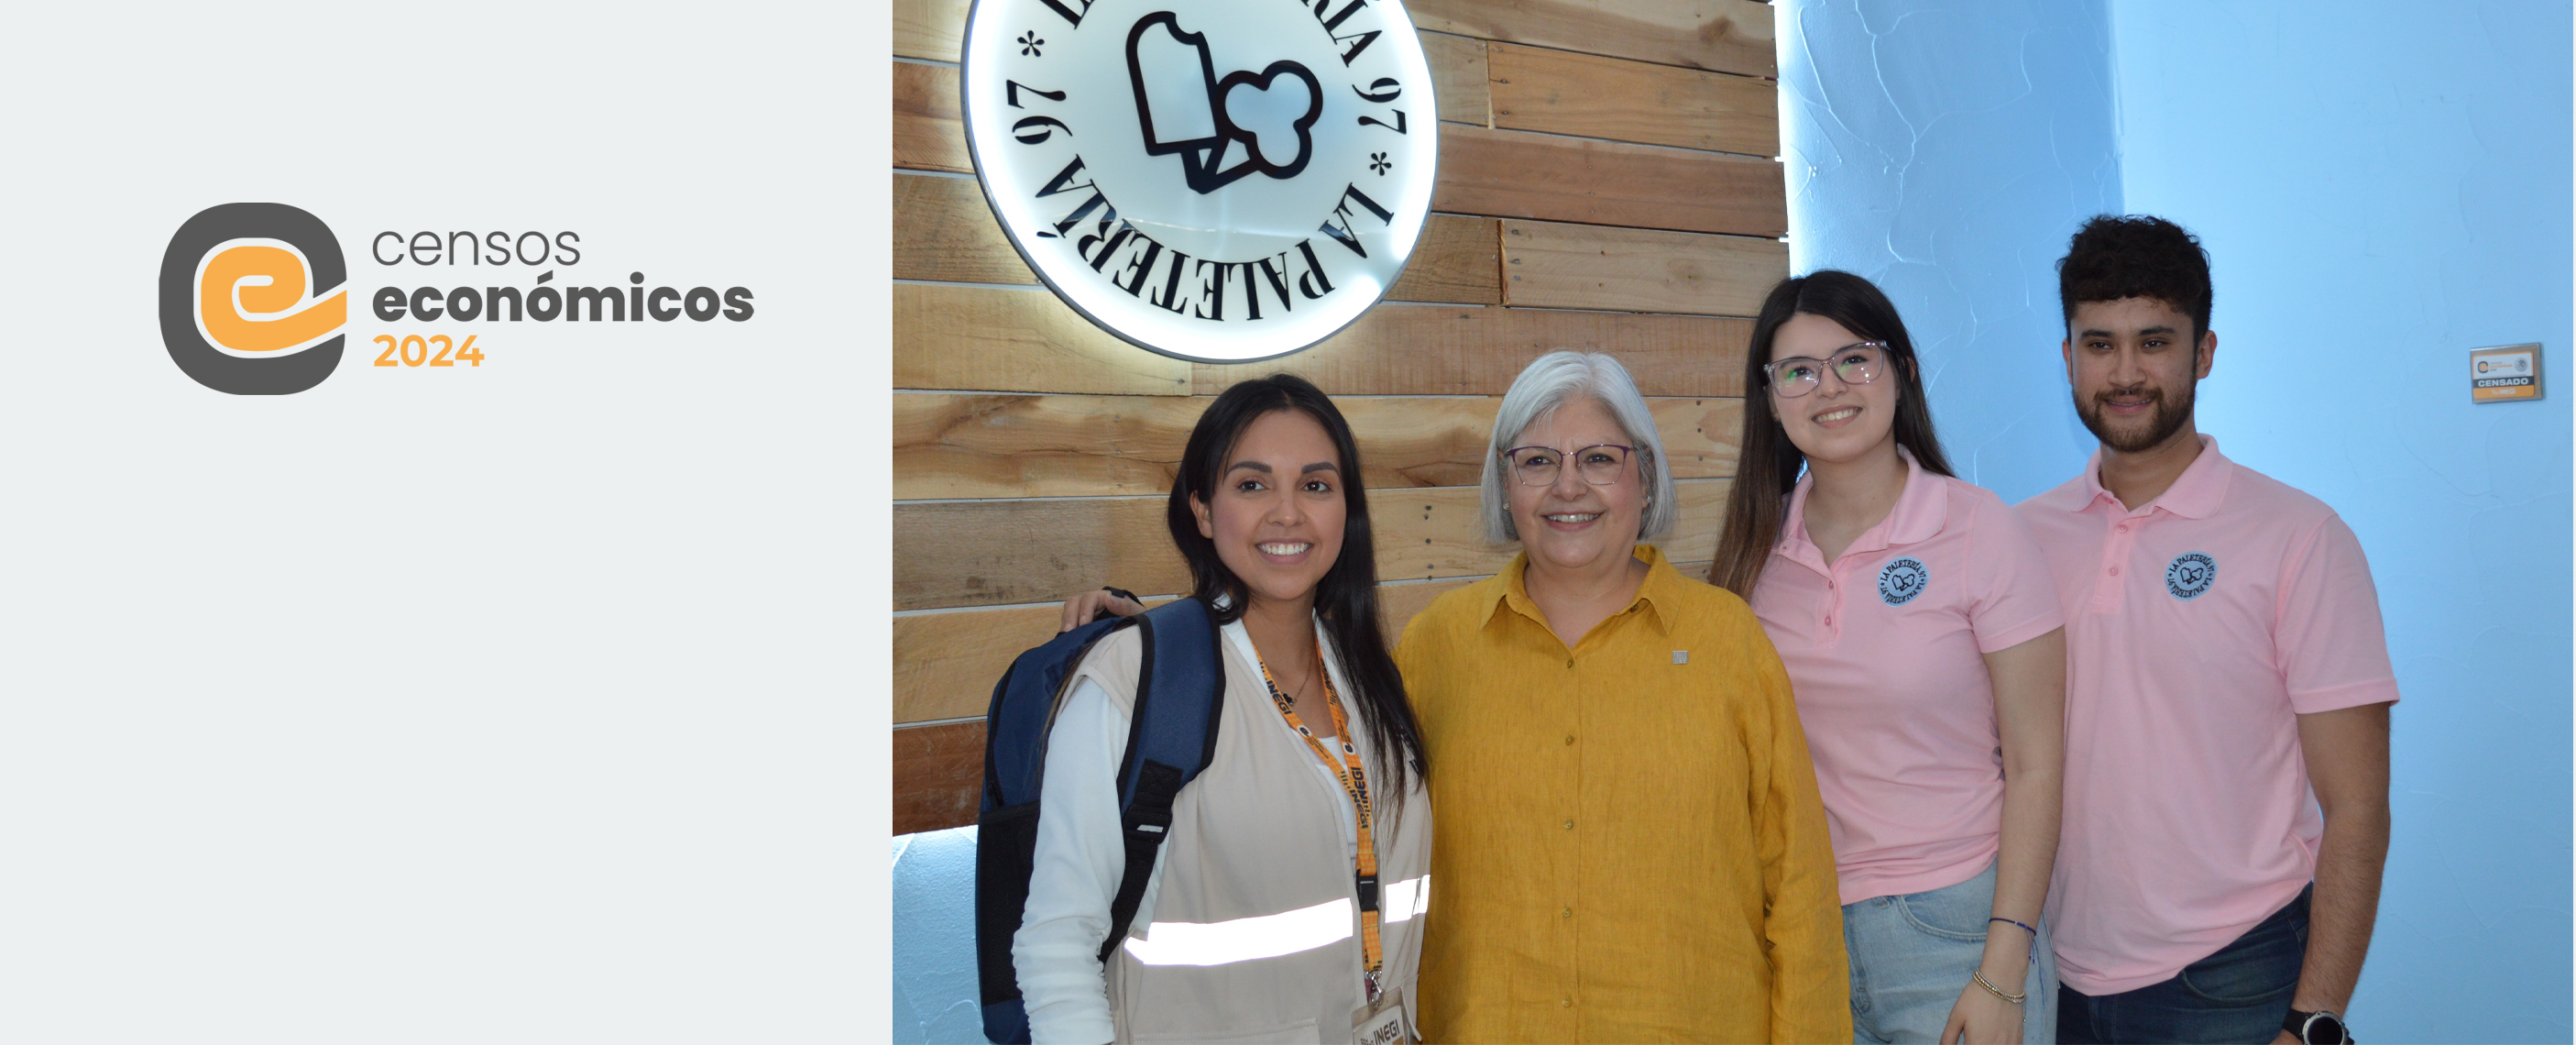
2115	551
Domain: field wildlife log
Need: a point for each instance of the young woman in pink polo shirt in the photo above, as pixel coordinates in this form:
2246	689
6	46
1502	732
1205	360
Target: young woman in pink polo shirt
1921	631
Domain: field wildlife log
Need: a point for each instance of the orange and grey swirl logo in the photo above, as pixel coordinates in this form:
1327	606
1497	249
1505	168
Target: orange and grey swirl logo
253	299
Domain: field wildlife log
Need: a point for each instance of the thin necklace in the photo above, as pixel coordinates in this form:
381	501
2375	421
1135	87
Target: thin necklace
1300	694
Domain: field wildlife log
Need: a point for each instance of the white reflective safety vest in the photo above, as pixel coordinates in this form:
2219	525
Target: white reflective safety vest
1255	931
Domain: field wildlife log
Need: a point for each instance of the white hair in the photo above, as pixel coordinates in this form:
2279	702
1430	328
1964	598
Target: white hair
1545	385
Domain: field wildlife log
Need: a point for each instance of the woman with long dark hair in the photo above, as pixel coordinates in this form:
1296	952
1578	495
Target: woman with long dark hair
1287	899
1922	635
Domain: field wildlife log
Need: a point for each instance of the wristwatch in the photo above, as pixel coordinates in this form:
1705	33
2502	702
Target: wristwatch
2321	1027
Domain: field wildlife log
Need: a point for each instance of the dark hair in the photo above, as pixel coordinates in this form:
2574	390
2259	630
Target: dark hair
1768	464
2136	256
1345	600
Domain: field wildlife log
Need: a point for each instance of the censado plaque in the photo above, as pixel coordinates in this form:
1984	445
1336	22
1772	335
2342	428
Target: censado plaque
1221	182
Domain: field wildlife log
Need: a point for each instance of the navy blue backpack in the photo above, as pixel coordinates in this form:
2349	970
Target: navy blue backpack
1173	733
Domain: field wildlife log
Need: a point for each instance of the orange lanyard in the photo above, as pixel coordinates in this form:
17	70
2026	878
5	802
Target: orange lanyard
1355	787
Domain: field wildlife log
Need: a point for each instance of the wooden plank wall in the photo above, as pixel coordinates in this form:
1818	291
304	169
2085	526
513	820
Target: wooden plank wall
1608	182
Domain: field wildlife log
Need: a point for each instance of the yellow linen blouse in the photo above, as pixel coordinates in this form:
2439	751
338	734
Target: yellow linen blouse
1630	847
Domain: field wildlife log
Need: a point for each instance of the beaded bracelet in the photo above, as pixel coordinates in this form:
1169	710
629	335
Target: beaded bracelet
2034	936
1980	977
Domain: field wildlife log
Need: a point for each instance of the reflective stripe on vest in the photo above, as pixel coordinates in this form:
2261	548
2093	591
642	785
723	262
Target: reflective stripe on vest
1243	939
1269	935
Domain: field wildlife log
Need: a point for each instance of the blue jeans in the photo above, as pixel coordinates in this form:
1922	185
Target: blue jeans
2240	994
1911	955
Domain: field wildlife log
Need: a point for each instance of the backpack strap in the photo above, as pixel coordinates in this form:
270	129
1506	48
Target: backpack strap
1180	693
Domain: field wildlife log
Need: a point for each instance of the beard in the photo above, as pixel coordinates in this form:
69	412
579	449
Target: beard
2167	418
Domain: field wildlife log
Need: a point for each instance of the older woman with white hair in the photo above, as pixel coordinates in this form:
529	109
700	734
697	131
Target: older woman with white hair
1630	846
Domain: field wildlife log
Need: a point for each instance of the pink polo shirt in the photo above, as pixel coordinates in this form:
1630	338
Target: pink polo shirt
2198	628
1885	650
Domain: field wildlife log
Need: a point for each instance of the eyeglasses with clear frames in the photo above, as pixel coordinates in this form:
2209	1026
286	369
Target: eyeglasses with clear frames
1858	363
1540	465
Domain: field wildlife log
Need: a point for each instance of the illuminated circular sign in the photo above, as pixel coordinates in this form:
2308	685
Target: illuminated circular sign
1222	182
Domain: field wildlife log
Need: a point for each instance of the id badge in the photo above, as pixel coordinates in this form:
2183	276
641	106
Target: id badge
1383	1023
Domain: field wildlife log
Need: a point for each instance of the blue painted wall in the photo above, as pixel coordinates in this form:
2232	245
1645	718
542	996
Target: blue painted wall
2383	185
1946	149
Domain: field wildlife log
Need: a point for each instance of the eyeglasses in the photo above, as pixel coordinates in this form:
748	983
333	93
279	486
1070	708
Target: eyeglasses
1540	465
1858	363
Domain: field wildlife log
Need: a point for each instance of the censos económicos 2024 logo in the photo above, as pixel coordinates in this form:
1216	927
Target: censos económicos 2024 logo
253	297
1223	182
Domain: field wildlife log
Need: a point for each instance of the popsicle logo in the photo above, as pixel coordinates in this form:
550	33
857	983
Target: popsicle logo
1901	580
1214	182
2189	575
253	299
1269	114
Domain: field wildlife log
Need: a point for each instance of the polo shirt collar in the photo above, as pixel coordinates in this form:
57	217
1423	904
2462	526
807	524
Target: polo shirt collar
2195	494
1920	510
1660	593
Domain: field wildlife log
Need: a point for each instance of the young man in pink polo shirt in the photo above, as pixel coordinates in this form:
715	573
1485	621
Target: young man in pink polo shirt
2226	788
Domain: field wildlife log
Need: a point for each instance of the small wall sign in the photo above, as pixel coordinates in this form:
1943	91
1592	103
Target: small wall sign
1217	182
2504	374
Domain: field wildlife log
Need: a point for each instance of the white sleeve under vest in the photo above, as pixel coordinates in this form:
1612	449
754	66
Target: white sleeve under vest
1074	875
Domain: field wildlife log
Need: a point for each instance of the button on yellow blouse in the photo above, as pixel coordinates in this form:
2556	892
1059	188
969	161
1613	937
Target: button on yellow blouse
1669	878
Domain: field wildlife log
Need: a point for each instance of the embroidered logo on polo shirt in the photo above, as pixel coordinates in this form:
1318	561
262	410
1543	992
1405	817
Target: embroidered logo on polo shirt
2190	574
1901	580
